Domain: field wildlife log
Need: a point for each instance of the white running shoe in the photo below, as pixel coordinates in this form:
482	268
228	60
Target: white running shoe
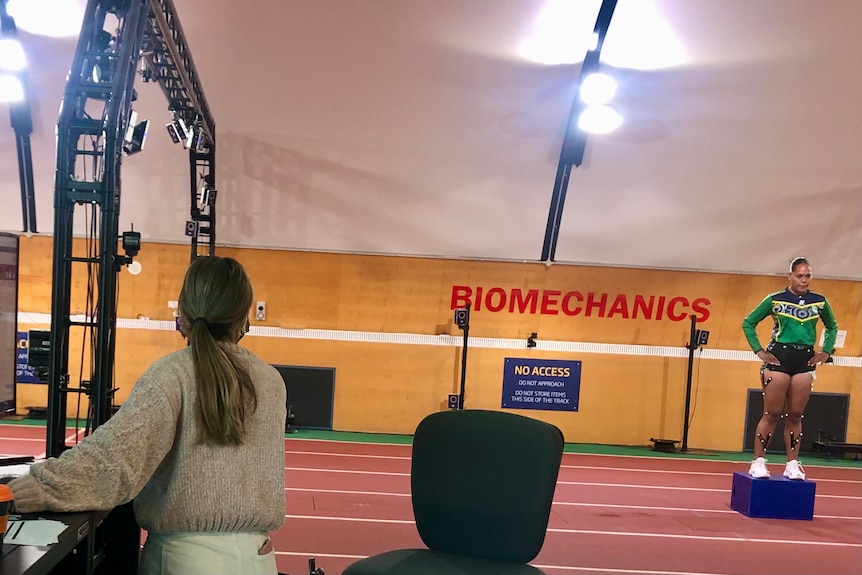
758	468
793	470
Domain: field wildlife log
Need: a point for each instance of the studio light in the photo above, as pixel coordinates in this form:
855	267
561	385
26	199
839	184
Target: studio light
136	135
178	132
12	63
135	268
55	18
104	66
11	88
597	88
601	119
207	196
12	58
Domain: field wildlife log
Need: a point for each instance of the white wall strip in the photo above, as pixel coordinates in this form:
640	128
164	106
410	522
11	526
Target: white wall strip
450	340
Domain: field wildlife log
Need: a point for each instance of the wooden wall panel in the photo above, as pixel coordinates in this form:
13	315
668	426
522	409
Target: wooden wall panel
624	399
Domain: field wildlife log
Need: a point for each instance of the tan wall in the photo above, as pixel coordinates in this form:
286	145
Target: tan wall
624	399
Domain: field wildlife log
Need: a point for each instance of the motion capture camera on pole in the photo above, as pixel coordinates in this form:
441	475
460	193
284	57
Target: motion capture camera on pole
462	320
696	339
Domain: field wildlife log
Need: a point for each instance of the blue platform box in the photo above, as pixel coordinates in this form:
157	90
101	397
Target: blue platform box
776	497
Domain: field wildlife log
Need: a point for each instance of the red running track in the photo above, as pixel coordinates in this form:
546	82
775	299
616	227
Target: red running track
611	514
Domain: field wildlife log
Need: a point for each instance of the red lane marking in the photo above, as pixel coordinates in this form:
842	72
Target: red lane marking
686	464
13	431
350	506
349	499
691	556
364	463
14	451
681	523
322	480
668	522
353	447
568	471
850	492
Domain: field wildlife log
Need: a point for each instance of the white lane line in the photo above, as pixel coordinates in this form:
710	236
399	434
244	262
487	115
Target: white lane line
346	492
40	439
348	441
689	509
609	533
704	489
735	464
324	470
353	519
706	538
580	483
566	455
709	473
564	503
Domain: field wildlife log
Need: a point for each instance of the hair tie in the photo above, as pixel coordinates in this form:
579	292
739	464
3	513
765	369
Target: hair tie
202	320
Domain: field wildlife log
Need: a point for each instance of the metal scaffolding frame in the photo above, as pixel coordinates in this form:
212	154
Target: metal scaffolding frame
119	40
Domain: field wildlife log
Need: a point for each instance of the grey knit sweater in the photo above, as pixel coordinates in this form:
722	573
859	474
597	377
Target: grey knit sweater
149	452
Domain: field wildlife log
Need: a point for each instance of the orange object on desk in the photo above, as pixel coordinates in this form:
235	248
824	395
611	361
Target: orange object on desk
6	499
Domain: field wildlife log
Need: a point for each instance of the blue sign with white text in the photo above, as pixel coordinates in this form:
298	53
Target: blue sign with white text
550	384
23	372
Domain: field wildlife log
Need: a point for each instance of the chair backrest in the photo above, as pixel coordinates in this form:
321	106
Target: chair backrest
483	481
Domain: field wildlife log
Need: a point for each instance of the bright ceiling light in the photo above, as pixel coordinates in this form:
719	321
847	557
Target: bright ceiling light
12	56
597	88
599	119
56	18
562	33
11	88
638	38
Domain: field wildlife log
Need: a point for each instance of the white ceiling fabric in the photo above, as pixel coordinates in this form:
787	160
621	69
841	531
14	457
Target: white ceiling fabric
415	127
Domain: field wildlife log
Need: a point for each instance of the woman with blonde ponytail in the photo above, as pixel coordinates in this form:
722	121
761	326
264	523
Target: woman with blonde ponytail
198	445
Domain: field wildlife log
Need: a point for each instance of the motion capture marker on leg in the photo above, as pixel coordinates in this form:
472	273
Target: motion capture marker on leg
764	442
794	441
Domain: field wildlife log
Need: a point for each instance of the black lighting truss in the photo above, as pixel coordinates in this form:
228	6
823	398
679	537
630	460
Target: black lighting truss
116	35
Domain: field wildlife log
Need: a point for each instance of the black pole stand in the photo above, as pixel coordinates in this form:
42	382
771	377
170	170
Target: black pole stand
696	338
25	175
463	321
21	119
691	345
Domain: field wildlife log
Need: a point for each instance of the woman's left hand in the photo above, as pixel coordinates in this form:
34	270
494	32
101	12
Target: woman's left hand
818	358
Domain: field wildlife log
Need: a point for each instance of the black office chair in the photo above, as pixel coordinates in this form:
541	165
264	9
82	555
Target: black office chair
482	483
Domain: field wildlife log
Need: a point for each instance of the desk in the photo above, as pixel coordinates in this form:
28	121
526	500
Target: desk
74	548
94	542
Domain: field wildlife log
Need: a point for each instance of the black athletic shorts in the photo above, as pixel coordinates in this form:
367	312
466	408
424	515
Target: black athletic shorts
793	357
